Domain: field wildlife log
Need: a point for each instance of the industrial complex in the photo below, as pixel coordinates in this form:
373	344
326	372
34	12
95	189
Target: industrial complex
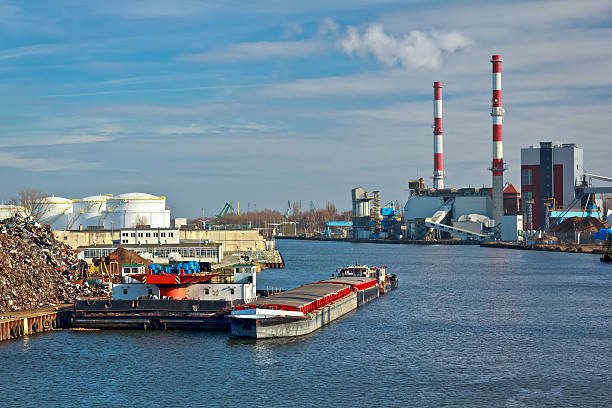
554	187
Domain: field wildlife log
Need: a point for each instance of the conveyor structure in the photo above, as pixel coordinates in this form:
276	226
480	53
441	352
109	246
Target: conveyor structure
435	222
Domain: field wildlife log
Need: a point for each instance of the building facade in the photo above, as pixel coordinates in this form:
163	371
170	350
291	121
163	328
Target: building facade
549	175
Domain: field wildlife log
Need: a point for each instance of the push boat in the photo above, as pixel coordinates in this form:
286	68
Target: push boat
304	309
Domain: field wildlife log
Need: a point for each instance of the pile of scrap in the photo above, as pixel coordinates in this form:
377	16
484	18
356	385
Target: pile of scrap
585	225
36	270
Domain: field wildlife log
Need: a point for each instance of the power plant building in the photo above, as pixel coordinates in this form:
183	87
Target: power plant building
549	176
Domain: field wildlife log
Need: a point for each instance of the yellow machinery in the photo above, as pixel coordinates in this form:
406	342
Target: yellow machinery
99	270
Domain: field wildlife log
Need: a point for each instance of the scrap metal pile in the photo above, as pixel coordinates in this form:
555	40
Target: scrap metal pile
588	225
36	270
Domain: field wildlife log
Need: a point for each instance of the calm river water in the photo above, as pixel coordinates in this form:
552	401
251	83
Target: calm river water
468	326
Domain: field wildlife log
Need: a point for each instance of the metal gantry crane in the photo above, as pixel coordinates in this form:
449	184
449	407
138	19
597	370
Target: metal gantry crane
226	209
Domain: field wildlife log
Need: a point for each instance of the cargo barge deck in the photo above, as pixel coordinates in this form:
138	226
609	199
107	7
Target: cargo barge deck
309	307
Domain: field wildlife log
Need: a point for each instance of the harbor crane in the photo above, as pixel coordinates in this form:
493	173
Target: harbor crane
226	209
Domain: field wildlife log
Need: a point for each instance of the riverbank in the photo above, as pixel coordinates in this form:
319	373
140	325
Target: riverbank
385	241
572	248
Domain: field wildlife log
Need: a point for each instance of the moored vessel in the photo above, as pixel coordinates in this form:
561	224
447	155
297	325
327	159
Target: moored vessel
304	309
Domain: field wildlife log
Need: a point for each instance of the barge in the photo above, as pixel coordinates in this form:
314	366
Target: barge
308	307
164	298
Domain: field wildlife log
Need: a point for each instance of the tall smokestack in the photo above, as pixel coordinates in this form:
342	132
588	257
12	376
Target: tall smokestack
497	167
438	149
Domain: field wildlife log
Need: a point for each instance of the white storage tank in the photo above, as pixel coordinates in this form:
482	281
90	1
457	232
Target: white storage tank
55	211
87	211
132	209
8	210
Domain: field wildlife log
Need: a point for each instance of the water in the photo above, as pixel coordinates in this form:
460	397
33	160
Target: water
468	326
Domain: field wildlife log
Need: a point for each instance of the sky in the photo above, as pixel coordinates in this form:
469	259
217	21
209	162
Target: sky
268	101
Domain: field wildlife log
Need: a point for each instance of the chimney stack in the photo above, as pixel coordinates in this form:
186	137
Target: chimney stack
497	167
438	149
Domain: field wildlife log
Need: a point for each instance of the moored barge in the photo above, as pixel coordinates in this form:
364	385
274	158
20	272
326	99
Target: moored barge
308	307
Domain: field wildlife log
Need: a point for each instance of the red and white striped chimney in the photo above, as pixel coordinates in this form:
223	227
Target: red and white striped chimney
497	167
438	146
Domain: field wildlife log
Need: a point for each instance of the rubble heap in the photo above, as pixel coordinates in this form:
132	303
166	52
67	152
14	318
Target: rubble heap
36	270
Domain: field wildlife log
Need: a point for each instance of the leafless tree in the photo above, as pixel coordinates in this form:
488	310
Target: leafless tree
32	201
141	221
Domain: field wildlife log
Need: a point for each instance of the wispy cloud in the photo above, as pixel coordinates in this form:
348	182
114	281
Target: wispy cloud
143	9
41	164
50	140
391	82
154	90
261	50
250	127
418	49
30	50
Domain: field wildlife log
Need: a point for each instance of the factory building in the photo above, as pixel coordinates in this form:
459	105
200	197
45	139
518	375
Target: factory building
447	207
366	213
105	212
549	175
465	212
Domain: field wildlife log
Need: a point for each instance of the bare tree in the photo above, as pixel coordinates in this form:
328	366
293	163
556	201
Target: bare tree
32	201
141	221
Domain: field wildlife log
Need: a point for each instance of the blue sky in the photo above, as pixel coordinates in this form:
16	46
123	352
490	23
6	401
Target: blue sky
268	101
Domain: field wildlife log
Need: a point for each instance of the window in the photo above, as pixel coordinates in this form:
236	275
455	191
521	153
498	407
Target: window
125	234
526	177
140	234
171	234
148	235
207	291
163	234
125	291
155	234
124	241
232	291
133	235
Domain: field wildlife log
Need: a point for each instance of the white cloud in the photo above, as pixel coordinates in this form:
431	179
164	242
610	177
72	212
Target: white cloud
29	50
328	26
389	82
181	130
50	140
142	9
417	49
292	30
40	164
261	50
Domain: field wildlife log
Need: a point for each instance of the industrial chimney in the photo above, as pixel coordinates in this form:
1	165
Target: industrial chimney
438	150
497	167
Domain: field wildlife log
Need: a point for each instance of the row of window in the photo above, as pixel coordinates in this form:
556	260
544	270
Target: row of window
191	252
148	234
526	177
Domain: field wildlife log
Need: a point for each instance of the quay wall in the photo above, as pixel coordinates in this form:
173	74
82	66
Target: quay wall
27	323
